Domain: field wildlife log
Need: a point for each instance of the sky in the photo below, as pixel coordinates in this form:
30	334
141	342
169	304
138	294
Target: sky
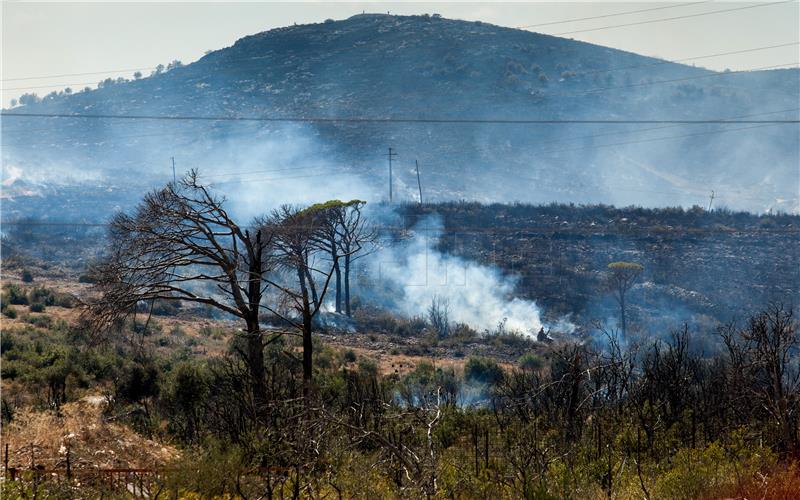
111	39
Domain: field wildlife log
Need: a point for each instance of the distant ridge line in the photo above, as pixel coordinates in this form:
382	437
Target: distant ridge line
302	119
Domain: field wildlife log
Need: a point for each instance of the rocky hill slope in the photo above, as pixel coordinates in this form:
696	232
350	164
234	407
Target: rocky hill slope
428	68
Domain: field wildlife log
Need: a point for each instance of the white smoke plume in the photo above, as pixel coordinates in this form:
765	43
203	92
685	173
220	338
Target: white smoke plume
415	273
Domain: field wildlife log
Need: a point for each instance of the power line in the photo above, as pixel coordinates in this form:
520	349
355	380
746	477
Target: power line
638	131
761	124
696	77
283	169
651	21
656	139
603	89
43	77
343	49
694	58
301	119
258	179
612	15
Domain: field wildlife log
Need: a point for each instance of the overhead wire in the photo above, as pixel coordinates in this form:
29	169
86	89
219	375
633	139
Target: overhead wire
639	11
651	21
378	120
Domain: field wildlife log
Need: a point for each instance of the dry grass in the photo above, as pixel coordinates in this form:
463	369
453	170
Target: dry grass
92	440
782	482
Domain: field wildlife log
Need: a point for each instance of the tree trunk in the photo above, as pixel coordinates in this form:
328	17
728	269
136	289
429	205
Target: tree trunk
313	287
337	270
308	363
622	313
347	284
255	363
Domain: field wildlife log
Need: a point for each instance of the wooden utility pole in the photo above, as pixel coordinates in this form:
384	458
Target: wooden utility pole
391	156
711	200
419	184
174	178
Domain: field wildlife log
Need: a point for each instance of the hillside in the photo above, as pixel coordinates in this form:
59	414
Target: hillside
421	68
701	268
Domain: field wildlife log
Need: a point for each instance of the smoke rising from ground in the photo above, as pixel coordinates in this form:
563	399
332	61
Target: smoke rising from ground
415	273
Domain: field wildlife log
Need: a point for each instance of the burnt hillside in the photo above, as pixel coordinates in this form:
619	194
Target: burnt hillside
699	265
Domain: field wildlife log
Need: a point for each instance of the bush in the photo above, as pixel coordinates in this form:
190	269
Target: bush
483	370
27	276
43	321
37	307
530	362
349	356
140	382
410	328
213	332
166	308
15	295
514	340
9	312
42	296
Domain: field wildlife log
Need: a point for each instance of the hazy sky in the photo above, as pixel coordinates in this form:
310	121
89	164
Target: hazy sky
44	39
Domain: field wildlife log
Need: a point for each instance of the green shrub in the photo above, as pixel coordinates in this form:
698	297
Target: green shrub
349	356
42	295
213	332
27	276
15	295
65	300
9	312
37	307
483	370
43	321
166	308
514	340
140	382
411	327
530	362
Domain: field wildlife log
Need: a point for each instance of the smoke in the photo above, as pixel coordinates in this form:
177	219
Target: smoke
414	273
53	173
289	166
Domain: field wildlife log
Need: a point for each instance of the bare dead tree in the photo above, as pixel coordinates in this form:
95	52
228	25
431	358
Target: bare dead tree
763	361
439	316
621	278
181	244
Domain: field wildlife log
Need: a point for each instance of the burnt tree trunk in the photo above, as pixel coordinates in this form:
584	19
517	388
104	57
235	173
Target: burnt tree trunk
308	363
255	345
255	363
338	272
347	284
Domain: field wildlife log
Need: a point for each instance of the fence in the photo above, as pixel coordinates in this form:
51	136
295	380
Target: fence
138	482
